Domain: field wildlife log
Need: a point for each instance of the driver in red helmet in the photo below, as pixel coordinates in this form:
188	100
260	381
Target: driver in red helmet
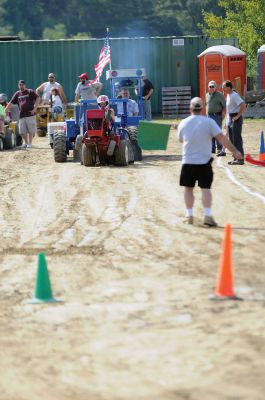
103	104
86	90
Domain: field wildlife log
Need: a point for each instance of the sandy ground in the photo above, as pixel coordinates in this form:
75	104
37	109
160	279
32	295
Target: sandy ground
136	321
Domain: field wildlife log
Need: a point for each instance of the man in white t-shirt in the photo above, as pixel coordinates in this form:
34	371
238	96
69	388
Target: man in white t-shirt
44	90
235	107
132	106
85	90
196	133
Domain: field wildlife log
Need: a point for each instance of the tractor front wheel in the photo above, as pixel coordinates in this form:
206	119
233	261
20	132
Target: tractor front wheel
89	155
10	140
59	146
122	154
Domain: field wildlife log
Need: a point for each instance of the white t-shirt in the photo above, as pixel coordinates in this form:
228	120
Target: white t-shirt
47	90
196	133
56	101
132	107
87	91
233	102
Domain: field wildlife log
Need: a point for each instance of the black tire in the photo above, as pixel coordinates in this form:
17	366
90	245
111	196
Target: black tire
59	146
1	144
9	141
19	140
137	151
77	151
130	149
42	132
133	136
132	132
89	155
122	154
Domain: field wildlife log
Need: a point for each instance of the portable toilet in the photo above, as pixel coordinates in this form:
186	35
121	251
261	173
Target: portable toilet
261	68
220	63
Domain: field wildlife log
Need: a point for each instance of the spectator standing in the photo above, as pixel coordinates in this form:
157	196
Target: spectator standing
56	102
147	91
132	106
196	133
2	119
216	109
27	101
85	90
235	106
44	90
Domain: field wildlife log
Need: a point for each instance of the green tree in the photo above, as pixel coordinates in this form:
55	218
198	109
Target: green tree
244	20
55	33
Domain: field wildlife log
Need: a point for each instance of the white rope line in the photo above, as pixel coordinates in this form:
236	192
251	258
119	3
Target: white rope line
234	180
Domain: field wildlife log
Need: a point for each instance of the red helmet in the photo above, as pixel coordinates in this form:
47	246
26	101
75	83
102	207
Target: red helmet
84	76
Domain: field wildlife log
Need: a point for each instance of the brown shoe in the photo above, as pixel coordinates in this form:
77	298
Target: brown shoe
209	221
188	220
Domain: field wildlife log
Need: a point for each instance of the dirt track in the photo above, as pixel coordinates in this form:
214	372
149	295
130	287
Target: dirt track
136	322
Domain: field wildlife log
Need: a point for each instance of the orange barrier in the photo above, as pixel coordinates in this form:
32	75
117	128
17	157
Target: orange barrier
225	284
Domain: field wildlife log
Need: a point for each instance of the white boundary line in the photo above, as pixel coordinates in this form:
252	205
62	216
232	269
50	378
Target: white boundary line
234	180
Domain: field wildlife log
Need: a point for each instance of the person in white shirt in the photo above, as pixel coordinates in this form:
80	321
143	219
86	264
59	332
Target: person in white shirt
44	90
57	104
235	107
86	90
196	133
132	106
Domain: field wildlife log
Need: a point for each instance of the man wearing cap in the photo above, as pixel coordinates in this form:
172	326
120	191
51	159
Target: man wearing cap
196	133
44	90
86	90
216	109
27	101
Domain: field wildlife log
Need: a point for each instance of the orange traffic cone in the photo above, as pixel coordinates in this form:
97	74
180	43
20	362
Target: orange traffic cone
262	147
225	284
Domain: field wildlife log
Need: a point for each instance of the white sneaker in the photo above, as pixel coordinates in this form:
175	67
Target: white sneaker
24	146
29	146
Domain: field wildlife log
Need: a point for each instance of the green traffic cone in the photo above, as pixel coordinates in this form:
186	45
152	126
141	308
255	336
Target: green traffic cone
43	290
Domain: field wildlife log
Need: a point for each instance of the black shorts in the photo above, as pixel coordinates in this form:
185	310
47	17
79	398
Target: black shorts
203	173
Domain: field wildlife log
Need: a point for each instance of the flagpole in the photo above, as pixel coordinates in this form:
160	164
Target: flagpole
110	59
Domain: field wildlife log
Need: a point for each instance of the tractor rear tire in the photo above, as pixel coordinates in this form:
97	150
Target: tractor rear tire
77	151
10	140
137	151
59	146
131	154
89	155
15	127
133	136
19	140
122	154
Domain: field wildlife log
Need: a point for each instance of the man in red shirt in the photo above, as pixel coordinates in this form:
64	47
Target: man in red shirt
27	101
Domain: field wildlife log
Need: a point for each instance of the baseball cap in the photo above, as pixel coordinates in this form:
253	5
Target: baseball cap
21	81
212	83
84	76
196	103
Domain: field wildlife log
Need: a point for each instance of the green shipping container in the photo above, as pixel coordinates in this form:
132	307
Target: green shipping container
169	61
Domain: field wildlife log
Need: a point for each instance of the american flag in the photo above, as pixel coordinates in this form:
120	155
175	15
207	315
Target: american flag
104	58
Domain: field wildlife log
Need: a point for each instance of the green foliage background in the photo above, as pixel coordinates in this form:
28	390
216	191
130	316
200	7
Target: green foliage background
60	19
